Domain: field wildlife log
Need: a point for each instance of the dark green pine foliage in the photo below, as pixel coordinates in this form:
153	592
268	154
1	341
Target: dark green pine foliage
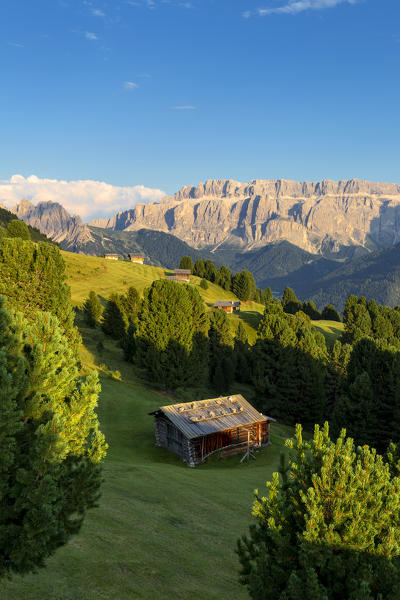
199	268
225	278
32	277
242	355
244	286
330	313
204	284
18	229
311	311
267	294
289	366
171	336
357	320
92	309
51	444
328	527
186	263
290	303
3	233
381	363
130	304
115	322
221	354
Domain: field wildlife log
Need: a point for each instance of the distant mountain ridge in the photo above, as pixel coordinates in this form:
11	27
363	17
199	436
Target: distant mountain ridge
317	217
326	240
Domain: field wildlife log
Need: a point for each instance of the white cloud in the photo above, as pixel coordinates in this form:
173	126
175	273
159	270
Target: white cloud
98	13
293	7
15	45
90	36
184	107
130	85
87	198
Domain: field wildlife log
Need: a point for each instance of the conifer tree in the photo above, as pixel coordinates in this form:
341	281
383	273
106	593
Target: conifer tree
18	229
130	304
225	278
290	303
328	527
244	286
199	268
32	277
241	335
186	263
171	336
204	284
115	322
330	313
92	309
51	443
267	294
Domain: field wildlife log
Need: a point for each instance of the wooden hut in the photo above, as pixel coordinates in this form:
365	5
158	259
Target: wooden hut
181	275
229	306
136	259
111	256
195	430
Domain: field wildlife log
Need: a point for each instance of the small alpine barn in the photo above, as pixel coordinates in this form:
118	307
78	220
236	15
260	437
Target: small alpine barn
196	430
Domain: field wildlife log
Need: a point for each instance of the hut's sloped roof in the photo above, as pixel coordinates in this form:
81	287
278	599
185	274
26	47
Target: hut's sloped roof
227	303
182	271
196	419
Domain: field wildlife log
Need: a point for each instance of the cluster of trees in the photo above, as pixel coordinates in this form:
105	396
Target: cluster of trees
51	443
242	284
291	304
329	526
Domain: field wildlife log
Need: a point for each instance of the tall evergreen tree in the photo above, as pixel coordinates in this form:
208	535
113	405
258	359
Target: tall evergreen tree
328	528
115	322
130	304
199	268
244	286
32	277
330	313
290	303
186	263
92	309
51	443
171	335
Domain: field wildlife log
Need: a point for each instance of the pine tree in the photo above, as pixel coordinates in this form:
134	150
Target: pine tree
290	303
32	277
330	313
92	309
115	322
130	304
51	443
199	268
18	229
328	527
241	335
225	278
186	263
204	284
171	335
244	286
267	294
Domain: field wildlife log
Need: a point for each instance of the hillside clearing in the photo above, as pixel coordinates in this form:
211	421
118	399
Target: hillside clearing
162	529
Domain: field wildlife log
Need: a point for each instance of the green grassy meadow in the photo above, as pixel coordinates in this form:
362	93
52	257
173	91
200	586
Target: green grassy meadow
162	531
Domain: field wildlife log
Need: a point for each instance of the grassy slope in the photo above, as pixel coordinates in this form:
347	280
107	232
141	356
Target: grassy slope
162	530
86	273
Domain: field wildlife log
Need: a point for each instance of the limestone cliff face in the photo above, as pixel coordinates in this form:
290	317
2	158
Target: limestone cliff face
54	221
314	216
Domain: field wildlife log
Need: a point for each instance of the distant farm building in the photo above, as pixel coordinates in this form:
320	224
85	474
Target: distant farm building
229	306
181	275
195	430
111	256
136	259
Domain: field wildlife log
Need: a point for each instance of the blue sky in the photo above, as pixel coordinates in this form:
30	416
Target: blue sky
170	93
